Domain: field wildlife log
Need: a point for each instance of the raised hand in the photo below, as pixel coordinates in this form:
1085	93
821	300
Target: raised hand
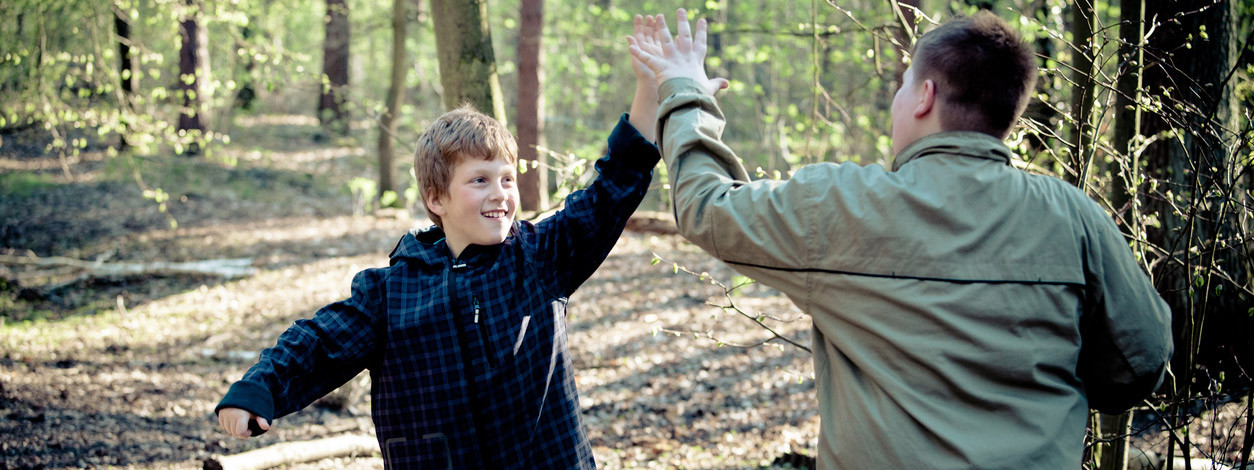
643	38
680	56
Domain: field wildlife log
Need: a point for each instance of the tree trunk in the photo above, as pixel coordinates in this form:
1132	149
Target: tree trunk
193	77
1204	275
1128	115
396	94
332	110
463	42
1125	177
1113	430
1083	87
533	184
247	91
126	62
126	72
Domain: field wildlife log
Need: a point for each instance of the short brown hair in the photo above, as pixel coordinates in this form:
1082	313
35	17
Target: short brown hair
984	72
454	136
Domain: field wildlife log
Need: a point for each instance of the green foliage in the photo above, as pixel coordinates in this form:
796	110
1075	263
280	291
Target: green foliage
23	184
61	72
366	198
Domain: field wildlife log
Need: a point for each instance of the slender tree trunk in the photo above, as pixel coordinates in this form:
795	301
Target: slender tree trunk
1083	87
1128	114
1113	454
332	109
1116	429
193	76
247	91
533	184
463	42
396	93
126	72
126	61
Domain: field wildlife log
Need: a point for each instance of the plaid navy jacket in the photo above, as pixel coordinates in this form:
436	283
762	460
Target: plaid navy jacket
469	358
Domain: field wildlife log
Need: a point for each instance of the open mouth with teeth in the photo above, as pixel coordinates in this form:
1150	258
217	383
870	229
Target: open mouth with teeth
495	214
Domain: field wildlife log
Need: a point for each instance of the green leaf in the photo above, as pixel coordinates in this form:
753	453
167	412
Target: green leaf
387	199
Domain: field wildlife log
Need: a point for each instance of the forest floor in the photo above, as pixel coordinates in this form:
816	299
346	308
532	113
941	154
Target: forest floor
126	372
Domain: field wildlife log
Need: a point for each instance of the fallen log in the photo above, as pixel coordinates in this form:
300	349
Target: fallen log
54	272
652	222
228	268
287	453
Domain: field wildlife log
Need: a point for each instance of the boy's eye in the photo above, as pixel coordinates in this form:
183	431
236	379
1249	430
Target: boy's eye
479	179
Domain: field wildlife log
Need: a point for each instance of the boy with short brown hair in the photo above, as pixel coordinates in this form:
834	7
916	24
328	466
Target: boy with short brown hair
464	333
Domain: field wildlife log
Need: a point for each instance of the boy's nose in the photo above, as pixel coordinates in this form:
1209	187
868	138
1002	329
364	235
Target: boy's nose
498	192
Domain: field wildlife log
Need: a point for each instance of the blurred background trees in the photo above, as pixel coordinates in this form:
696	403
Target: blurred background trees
1145	104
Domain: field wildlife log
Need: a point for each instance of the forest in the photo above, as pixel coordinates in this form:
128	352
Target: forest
180	180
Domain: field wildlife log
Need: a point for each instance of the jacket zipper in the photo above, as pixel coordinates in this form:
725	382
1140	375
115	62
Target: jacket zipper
483	342
451	281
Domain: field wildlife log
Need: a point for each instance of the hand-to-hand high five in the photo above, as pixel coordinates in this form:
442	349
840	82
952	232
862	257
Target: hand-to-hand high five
681	56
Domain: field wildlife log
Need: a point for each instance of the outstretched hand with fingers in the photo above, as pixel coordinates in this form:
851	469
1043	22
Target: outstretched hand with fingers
642	37
680	56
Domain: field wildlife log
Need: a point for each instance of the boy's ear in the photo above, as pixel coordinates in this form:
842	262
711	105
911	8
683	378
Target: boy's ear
436	204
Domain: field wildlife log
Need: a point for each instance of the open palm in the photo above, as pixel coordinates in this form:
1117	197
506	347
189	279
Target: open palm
667	57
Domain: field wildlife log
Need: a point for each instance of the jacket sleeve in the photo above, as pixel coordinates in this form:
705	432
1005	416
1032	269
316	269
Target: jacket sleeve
1126	340
581	235
761	228
315	355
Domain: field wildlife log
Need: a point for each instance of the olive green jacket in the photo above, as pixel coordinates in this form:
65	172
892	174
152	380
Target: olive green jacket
966	313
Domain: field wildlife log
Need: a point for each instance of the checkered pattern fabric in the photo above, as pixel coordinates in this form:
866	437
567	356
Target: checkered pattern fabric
469	357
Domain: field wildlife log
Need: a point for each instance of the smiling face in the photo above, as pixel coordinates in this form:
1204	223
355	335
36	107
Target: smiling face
480	204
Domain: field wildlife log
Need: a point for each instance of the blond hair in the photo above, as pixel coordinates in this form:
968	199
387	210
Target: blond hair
453	137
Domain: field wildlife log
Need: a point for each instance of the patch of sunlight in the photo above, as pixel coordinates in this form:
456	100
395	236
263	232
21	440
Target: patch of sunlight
277	120
49	162
315	155
201	312
285	230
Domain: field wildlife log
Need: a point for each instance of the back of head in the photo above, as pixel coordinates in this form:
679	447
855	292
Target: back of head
984	73
453	137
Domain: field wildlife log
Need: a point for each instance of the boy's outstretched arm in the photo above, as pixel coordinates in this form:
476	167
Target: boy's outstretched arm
643	114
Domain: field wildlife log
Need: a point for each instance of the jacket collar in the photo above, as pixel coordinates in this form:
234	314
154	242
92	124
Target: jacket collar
966	144
428	248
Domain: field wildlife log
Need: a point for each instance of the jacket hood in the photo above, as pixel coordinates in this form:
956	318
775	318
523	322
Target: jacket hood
424	247
428	248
